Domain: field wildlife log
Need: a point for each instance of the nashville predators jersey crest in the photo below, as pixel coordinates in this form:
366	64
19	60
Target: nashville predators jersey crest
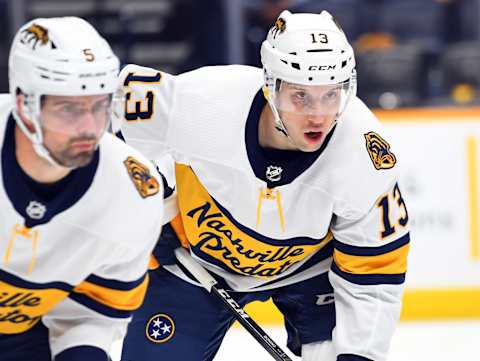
145	184
214	235
379	151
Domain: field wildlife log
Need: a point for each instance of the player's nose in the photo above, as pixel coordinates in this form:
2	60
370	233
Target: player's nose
316	119
88	122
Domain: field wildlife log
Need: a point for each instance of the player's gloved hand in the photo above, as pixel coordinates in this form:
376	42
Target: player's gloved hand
166	245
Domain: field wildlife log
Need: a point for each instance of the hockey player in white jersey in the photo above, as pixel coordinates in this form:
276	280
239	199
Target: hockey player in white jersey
287	189
80	210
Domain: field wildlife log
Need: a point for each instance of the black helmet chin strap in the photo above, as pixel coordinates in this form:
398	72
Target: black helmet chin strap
281	130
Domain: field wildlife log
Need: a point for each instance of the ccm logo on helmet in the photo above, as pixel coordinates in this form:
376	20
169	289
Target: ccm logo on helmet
322	67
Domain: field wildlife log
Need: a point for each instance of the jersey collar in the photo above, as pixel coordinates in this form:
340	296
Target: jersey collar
38	203
274	166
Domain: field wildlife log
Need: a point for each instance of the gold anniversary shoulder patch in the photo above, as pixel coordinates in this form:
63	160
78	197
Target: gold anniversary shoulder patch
145	183
379	151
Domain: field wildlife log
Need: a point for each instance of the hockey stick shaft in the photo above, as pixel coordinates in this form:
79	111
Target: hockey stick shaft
210	284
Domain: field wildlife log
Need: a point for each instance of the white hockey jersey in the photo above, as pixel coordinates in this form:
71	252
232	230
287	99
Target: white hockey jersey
267	218
76	259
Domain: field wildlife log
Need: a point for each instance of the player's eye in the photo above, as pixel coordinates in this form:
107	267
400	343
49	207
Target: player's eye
300	97
331	96
101	107
68	109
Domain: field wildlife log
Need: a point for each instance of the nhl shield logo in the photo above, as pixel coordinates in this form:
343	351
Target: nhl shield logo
36	210
379	151
160	328
274	173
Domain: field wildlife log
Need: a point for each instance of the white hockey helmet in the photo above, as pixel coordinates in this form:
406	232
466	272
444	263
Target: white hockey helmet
58	56
310	50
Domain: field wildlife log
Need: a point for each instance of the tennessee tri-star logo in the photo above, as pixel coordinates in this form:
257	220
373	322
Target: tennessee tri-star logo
160	328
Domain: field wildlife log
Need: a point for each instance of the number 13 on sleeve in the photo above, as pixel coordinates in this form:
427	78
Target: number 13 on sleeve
143	108
386	208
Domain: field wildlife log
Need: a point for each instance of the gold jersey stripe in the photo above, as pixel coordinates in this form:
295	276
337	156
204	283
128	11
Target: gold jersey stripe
394	262
118	299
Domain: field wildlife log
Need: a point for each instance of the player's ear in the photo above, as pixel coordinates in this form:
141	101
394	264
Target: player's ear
21	106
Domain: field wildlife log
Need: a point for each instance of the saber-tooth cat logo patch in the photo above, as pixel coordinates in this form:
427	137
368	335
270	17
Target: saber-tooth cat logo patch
35	34
379	151
279	27
146	184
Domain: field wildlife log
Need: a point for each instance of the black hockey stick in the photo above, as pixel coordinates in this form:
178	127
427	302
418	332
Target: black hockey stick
210	284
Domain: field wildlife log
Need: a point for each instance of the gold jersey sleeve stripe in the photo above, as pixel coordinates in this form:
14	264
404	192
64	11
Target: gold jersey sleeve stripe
125	300
394	262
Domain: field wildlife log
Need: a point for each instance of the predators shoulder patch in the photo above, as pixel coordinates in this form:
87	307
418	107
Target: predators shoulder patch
145	183
279	27
35	34
379	151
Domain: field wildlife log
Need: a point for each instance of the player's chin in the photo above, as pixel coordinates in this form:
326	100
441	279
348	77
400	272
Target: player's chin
80	159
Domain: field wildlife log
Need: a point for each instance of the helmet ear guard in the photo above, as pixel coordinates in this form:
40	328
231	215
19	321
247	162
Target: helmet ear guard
268	92
35	136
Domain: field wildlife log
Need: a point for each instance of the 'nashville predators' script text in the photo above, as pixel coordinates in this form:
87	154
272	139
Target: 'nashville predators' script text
211	233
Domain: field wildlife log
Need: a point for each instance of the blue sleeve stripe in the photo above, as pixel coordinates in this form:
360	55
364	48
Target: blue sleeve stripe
369	279
82	353
99	307
115	284
351	357
372	251
20	282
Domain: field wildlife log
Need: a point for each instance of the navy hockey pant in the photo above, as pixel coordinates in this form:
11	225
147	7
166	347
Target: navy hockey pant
180	321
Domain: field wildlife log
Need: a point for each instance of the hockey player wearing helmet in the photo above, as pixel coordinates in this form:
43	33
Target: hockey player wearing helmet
69	279
286	187
309	79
